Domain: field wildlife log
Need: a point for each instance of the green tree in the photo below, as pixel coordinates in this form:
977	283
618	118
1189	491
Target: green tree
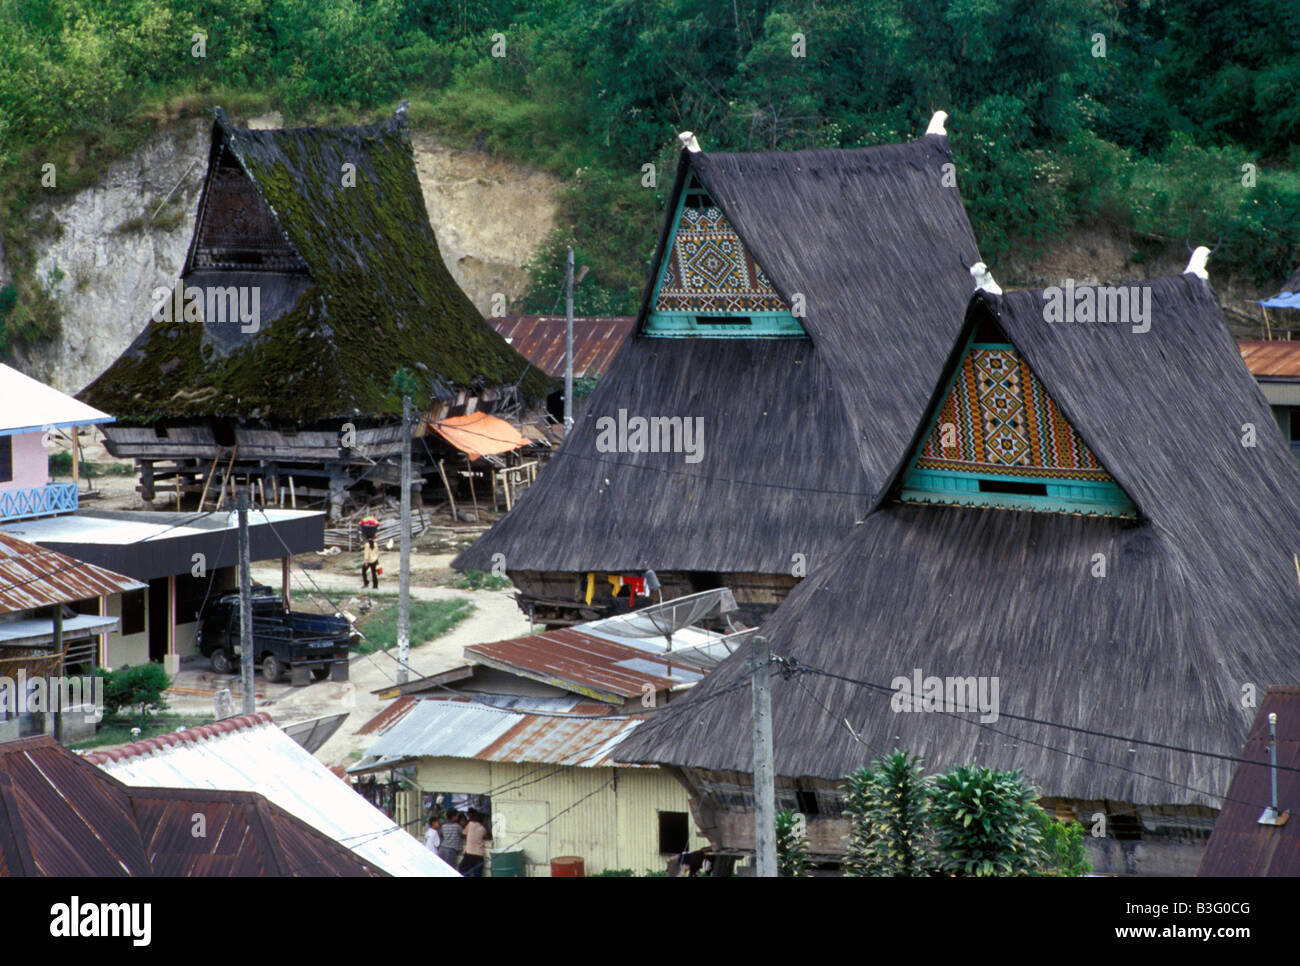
1063	853
888	806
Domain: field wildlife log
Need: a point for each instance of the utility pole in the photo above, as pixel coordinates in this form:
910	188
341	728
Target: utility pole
404	580
568	344
245	608
760	657
58	713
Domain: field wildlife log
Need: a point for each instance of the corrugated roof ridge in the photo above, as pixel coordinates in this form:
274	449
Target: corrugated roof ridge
174	739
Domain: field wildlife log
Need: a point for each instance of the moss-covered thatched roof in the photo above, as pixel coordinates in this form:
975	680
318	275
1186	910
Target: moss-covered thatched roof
375	297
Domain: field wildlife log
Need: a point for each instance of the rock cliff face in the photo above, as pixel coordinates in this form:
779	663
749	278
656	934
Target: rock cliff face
114	243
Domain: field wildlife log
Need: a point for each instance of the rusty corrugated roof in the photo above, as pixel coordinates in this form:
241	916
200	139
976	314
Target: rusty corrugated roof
554	738
62	816
1275	359
438	728
1239	845
583	663
540	340
32	576
250	754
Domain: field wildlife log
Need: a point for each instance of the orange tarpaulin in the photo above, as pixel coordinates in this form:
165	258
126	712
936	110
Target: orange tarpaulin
478	434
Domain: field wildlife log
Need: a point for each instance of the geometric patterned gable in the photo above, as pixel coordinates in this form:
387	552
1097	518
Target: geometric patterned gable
709	270
999	440
998	420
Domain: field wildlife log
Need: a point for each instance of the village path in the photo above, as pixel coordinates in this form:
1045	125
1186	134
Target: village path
496	617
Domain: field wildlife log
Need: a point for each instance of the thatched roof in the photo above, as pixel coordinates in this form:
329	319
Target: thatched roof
1199	598
357	289
800	433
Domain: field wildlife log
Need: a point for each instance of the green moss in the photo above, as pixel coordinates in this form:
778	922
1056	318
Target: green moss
383	300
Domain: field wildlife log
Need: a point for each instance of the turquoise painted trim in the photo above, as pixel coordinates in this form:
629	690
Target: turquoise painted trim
1012	501
767	324
954	487
763	325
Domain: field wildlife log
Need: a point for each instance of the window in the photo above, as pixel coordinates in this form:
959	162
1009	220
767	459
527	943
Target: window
1011	486
807	802
674	833
133	612
723	320
6	459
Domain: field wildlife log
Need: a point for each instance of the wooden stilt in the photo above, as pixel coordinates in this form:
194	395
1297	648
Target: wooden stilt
450	498
208	482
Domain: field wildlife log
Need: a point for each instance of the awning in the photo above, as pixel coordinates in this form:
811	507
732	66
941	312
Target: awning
478	435
1283	300
35	631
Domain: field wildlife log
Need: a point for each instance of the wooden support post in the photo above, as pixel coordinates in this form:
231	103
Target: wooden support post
293	496
76	458
450	498
284	580
146	481
470	474
207	483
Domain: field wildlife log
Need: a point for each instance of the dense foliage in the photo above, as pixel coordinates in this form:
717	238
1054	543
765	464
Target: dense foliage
140	688
888	802
968	821
1172	119
791	845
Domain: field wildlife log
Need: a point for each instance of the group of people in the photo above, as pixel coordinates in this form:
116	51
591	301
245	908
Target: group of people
455	831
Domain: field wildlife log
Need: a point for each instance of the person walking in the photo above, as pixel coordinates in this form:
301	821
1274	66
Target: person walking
370	563
453	837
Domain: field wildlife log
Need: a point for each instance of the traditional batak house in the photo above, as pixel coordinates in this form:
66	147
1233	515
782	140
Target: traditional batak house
312	279
1091	540
782	356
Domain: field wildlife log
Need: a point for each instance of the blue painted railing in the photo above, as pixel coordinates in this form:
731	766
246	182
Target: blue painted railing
38	501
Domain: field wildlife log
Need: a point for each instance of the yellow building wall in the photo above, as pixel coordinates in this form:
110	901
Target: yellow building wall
123	649
608	816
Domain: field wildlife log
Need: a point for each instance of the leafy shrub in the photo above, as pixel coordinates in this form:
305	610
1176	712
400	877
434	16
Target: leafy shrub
479	580
985	824
791	846
140	688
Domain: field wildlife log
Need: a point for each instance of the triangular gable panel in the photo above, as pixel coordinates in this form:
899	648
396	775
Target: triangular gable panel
237	229
710	285
1000	440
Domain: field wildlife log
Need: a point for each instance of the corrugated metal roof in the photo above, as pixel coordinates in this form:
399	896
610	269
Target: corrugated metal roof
61	816
251	754
32	576
1239	845
435	728
1276	359
588	664
540	340
27	406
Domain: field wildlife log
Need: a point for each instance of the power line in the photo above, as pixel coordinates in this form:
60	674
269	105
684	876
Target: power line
1090	732
843	722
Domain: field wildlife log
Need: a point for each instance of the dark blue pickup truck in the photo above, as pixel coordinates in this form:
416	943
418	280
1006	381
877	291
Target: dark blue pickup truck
302	645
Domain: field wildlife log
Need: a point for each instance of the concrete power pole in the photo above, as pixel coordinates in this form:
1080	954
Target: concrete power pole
760	656
568	344
245	609
404	582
